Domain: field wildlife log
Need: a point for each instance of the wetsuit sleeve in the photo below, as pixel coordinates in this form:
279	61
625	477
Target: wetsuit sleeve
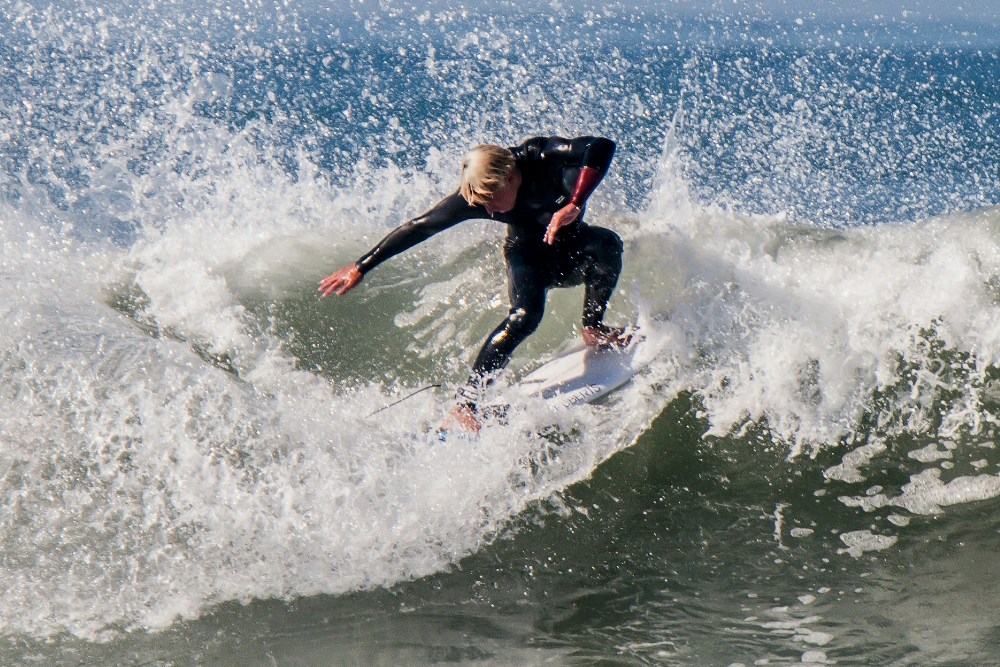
446	213
594	152
596	155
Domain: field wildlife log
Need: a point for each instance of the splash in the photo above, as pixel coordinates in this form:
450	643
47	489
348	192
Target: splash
184	424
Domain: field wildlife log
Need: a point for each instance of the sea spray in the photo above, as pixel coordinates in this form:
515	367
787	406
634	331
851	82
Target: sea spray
184	423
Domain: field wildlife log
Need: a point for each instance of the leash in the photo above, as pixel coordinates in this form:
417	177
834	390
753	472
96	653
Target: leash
408	396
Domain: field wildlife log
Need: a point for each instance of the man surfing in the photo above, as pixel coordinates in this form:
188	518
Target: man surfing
539	190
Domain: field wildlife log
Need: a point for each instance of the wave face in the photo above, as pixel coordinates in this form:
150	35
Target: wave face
811	234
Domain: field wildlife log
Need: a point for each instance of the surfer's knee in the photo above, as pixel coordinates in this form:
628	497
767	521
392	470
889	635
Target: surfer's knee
523	321
608	244
520	324
605	257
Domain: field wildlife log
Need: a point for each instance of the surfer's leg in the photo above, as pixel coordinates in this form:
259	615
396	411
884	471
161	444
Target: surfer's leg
527	305
603	256
526	284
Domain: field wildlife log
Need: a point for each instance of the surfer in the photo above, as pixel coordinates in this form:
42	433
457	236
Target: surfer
539	189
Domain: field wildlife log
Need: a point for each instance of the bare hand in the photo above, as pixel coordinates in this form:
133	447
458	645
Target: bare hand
341	282
564	216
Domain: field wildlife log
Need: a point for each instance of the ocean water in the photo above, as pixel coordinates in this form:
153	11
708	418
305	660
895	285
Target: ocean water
194	469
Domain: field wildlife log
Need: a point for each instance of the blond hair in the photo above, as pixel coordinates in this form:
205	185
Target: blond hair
484	172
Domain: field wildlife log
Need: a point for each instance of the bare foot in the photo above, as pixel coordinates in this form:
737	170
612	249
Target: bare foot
603	337
463	417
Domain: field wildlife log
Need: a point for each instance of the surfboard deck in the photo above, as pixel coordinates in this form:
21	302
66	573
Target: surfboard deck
576	377
582	375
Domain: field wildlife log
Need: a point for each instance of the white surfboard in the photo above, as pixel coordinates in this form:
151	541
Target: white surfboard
582	375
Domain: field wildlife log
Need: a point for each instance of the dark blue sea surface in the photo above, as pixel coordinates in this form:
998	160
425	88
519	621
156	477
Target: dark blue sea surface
194	464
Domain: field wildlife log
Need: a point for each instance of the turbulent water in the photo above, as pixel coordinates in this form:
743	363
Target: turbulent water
194	466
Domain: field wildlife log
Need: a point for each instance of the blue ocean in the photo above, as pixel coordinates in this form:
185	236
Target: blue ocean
203	463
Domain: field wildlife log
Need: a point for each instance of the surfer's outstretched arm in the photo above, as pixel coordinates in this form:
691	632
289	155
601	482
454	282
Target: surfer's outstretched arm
446	213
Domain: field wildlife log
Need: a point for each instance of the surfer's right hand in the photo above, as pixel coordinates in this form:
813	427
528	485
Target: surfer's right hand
341	282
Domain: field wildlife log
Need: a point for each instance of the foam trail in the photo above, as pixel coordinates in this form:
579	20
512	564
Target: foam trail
170	455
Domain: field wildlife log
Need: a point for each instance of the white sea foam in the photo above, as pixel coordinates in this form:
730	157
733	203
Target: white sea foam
860	541
925	493
252	478
800	327
147	481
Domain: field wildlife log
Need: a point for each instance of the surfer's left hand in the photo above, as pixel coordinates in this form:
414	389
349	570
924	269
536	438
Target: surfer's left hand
564	216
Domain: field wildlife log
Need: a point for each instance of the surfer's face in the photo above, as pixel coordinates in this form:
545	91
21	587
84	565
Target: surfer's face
503	200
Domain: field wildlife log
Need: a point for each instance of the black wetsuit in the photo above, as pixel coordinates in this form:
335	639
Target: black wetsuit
550	168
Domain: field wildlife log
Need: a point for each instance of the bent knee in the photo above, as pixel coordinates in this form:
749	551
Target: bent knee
523	321
607	243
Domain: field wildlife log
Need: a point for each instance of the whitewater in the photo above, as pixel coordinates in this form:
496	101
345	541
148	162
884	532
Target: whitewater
189	435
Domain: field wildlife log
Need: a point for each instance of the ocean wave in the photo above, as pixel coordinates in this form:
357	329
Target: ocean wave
184	422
